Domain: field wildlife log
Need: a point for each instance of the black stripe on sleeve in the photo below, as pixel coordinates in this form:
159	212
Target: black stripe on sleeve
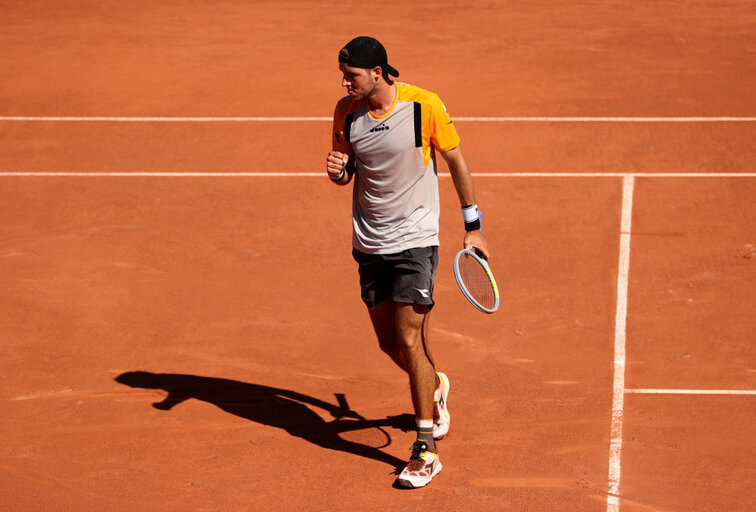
418	125
348	127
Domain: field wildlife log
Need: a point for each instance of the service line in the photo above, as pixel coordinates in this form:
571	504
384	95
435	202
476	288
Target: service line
263	174
691	391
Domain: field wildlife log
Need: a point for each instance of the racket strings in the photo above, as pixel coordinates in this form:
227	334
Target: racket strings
476	281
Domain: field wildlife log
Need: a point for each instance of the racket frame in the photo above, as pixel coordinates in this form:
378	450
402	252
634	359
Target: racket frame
483	263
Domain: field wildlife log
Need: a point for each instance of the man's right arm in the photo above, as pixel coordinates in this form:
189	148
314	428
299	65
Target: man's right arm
338	167
340	161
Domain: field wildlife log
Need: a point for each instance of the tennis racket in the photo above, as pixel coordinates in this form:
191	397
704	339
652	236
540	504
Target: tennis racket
476	281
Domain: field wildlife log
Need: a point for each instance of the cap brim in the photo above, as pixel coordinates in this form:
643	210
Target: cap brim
391	71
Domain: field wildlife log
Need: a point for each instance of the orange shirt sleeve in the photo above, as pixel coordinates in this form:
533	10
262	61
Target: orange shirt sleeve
442	130
338	139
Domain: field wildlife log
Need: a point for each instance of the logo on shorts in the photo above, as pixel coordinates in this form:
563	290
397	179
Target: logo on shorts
425	293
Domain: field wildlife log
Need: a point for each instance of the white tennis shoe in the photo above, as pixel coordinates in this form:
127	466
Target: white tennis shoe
422	467
441	416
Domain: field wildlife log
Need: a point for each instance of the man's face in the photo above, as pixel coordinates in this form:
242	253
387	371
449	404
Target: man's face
359	82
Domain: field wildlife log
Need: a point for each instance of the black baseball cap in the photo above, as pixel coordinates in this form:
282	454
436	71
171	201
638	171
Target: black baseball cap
366	52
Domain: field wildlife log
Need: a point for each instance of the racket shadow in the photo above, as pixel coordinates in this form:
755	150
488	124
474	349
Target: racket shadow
275	407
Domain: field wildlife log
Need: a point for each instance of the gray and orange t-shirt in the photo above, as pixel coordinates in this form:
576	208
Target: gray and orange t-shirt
395	199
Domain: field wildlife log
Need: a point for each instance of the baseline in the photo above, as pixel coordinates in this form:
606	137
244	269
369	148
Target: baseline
252	119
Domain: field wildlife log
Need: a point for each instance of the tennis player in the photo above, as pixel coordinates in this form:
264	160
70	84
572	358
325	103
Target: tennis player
385	136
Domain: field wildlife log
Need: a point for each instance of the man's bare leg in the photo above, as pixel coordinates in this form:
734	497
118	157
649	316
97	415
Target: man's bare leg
402	331
410	327
383	316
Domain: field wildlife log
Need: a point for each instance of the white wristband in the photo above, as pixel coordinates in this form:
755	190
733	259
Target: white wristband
470	213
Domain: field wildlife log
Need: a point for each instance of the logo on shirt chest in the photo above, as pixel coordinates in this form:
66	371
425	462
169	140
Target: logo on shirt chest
379	128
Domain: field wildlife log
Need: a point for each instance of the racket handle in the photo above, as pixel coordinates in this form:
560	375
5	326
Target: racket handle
477	252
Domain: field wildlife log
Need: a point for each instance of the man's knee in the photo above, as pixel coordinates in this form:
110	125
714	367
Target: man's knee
388	344
410	341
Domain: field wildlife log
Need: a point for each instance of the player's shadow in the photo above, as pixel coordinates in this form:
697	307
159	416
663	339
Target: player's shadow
281	408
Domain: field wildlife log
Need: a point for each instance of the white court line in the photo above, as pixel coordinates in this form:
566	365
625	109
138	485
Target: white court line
171	174
608	119
162	119
263	174
612	174
284	119
691	391
620	323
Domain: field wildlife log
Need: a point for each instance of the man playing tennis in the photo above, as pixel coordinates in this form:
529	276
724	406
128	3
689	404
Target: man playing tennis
386	134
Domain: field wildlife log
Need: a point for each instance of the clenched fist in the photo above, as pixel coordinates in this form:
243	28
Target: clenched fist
336	164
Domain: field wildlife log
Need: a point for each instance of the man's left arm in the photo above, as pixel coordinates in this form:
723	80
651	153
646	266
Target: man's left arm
463	183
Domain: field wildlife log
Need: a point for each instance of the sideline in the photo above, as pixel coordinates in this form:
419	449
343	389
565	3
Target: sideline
620	323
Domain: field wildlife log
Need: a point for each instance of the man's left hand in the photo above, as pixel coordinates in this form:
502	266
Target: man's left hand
476	238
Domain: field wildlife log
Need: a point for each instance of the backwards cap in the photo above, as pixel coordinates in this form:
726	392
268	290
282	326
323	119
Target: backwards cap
366	52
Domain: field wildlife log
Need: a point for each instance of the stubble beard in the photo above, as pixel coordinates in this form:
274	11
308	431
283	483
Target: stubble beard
371	88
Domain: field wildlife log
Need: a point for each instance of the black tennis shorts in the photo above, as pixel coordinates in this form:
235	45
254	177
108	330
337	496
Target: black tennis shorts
406	277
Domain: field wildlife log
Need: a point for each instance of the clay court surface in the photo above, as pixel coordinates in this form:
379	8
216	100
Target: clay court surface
180	321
